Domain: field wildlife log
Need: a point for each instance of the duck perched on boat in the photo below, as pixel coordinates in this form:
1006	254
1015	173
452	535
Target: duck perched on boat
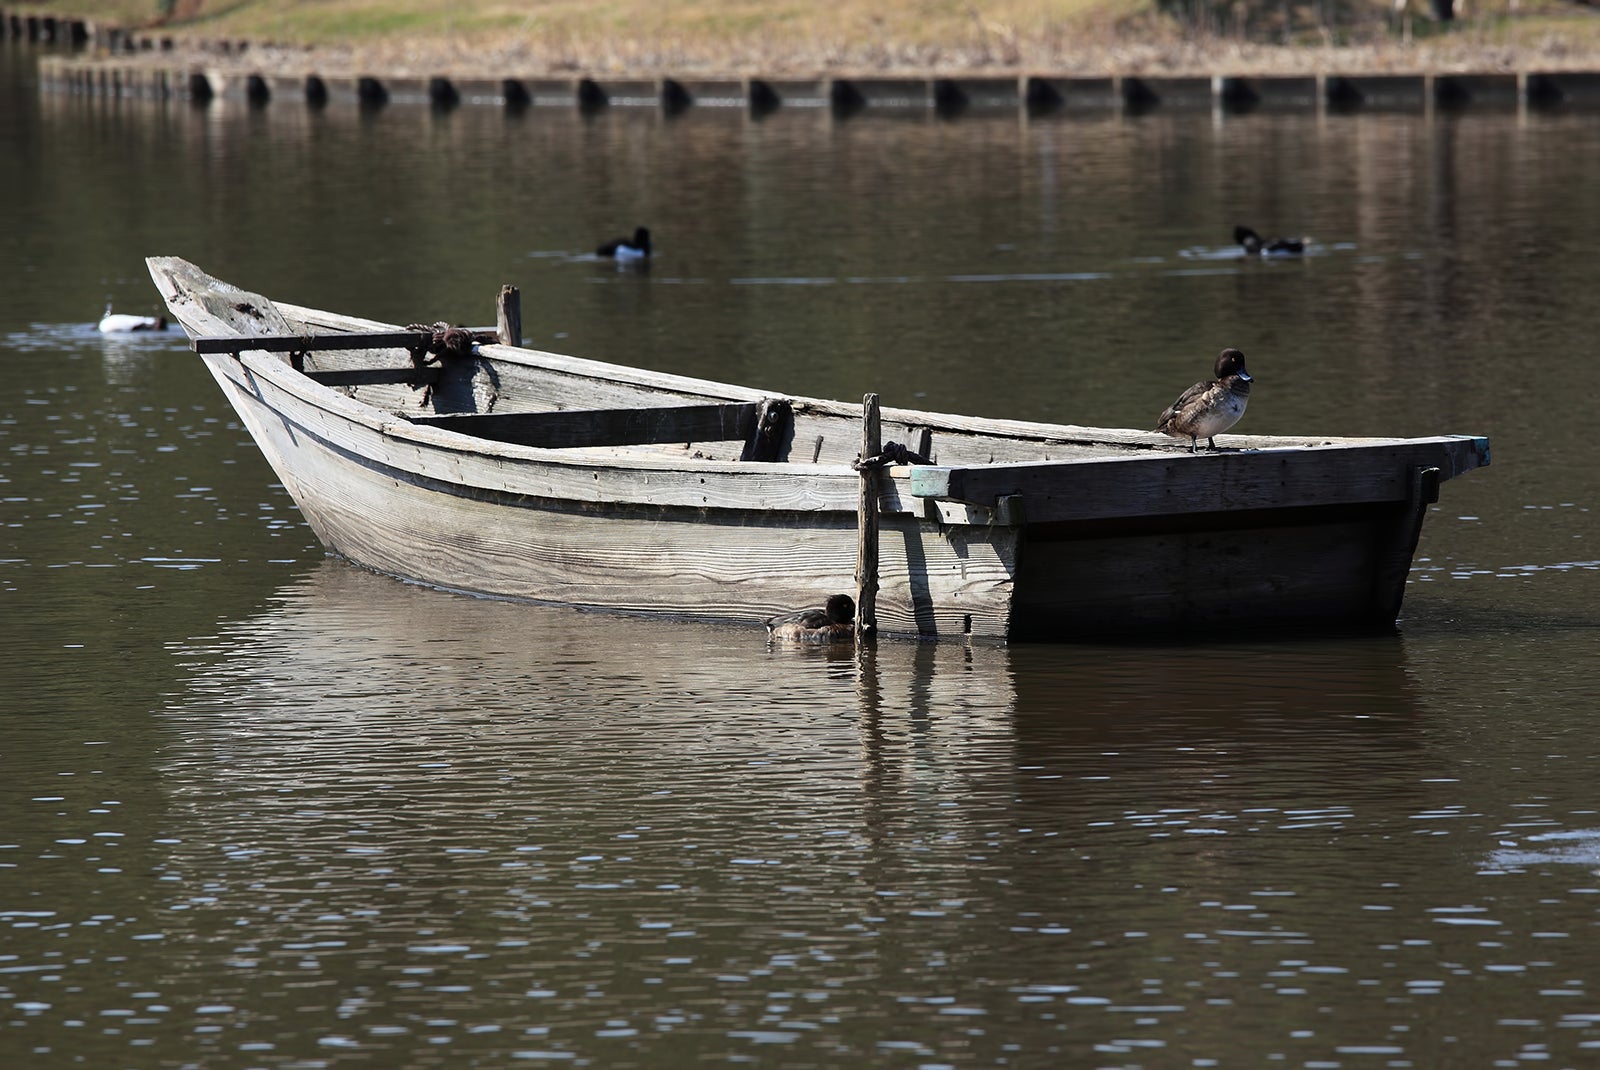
119	322
1210	406
833	623
1255	245
625	250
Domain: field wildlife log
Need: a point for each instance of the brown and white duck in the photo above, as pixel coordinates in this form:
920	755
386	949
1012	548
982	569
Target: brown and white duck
1211	406
833	623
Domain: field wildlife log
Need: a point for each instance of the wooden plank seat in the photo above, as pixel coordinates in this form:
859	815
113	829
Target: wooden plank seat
418	342
407	376
311	343
566	428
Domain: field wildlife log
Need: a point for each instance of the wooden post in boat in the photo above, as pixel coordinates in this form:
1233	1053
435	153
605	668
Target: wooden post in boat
867	523
508	316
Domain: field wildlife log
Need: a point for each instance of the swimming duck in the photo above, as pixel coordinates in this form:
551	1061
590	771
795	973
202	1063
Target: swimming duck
834	623
1255	246
1210	407
117	322
624	250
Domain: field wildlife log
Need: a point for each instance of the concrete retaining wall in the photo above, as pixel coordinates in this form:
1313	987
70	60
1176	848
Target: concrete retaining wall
141	66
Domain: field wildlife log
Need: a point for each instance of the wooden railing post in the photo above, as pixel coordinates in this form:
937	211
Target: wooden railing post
867	523
508	316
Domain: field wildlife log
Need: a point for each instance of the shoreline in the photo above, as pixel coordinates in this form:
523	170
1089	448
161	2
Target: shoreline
1444	73
944	96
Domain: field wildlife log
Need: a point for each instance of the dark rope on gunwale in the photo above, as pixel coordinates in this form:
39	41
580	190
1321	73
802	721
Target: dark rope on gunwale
446	341
892	453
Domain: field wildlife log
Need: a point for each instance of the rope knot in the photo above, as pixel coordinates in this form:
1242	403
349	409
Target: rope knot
892	453
445	340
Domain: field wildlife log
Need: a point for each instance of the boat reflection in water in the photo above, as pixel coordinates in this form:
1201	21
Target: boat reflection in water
481	656
473	798
352	678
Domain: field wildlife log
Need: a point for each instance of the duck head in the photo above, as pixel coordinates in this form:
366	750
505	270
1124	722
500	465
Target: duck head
1231	362
841	608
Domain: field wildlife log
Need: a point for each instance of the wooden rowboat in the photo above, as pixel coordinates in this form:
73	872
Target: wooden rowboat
515	473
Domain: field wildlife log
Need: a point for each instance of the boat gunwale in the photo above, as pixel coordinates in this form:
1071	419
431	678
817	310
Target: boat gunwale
388	423
1135	446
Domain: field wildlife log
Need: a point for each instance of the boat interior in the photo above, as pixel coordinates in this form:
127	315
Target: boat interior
553	401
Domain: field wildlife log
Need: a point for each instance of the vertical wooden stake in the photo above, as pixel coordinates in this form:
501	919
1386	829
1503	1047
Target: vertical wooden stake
867	524
508	316
1396	553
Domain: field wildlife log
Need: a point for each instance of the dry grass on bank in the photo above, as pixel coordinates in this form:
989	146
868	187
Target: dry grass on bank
643	37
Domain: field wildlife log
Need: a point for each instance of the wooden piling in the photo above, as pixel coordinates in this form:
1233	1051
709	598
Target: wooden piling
867	522
508	315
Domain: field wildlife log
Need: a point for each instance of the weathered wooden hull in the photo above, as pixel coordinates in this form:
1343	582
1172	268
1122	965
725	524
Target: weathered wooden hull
1018	531
1211	575
459	521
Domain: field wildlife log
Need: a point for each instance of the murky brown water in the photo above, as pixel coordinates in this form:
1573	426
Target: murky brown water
260	808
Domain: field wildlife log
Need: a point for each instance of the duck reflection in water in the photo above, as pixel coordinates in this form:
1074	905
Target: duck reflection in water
833	623
1210	406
